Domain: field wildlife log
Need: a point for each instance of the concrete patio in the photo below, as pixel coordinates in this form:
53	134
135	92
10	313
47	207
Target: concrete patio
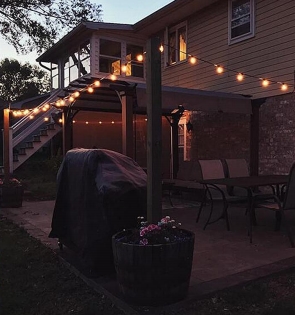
221	258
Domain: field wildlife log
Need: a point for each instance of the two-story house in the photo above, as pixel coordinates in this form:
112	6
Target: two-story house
229	63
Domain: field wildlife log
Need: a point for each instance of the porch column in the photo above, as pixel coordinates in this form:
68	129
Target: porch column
254	136
127	125
154	130
67	131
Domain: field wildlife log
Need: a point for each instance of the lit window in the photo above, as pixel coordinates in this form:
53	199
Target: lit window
110	56
241	20
182	134
134	67
177	43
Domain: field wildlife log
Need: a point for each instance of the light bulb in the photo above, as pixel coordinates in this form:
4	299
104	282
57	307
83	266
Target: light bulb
193	60
71	99
161	48
86	122
219	69
62	102
284	87
124	68
90	89
265	83
76	94
97	83
46	119
113	77
240	77
139	57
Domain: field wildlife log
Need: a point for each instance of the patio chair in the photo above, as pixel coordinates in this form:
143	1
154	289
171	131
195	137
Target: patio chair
275	204
212	169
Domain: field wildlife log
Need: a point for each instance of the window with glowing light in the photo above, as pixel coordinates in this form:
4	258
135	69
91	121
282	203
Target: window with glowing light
177	43
133	67
110	56
241	20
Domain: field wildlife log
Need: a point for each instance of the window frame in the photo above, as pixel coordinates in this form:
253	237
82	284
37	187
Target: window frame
252	24
182	122
168	31
123	58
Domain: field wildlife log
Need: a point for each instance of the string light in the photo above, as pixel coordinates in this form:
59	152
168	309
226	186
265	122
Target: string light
219	69
240	77
161	48
193	60
139	58
265	83
90	89
284	87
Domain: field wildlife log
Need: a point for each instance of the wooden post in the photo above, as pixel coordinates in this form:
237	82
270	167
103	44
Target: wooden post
127	125
254	136
154	130
6	147
67	130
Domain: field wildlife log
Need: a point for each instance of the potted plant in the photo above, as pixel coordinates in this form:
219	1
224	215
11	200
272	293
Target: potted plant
11	193
153	262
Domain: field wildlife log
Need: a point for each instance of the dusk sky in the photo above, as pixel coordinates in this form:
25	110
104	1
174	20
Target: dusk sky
114	11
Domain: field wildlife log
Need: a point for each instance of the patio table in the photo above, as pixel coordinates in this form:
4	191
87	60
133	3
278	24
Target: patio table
250	183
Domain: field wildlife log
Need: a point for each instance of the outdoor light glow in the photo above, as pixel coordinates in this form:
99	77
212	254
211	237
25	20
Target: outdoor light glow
265	83
113	77
240	77
31	116
284	87
46	119
90	89
113	122
36	110
86	122
76	94
193	60
161	48
219	69
74	121
57	103
139	58
26	112
124	68
100	122
62	102
44	109
46	106
97	83
71	99
60	120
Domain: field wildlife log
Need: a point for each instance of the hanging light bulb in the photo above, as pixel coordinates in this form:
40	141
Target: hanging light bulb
36	110
240	77
219	69
60	120
113	122
62	102
113	77
100	122
86	122
284	87
90	89
76	94
97	83
139	58
26	112
46	119
31	116
124	68
161	48
265	82
71	99
193	60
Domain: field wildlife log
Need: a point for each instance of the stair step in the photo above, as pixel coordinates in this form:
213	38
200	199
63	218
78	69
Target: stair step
22	151
43	132
51	126
36	138
29	144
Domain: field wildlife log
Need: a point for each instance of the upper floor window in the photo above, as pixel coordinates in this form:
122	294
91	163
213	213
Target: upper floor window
77	63
241	20
114	54
177	43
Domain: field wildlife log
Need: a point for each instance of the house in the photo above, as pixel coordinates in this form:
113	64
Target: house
228	63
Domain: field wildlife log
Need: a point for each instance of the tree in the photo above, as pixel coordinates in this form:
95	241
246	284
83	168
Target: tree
34	25
21	81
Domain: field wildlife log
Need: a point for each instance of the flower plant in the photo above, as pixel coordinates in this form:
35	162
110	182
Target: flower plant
166	231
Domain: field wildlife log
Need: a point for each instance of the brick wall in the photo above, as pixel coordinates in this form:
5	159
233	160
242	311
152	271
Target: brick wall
277	134
220	135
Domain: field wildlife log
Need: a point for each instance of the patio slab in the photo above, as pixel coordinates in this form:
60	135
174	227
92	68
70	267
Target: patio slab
221	258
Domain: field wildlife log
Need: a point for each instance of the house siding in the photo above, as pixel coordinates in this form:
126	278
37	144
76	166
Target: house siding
269	54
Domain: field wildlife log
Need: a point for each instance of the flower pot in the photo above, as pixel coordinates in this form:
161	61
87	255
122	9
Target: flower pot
11	196
153	274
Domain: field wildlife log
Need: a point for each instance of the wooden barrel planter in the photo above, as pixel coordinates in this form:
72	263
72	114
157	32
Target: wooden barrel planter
153	275
11	197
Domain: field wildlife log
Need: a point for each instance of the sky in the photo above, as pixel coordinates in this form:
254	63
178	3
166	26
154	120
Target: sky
114	11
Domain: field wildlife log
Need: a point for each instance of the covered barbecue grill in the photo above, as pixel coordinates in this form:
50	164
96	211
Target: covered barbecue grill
99	193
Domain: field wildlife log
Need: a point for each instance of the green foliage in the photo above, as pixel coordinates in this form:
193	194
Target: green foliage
35	24
21	81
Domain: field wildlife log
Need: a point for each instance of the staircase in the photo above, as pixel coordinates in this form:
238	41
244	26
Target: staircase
28	135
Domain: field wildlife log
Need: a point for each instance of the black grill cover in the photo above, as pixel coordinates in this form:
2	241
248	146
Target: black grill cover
99	193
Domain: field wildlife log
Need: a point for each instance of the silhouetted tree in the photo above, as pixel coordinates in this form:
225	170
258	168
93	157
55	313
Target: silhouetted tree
21	81
34	25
